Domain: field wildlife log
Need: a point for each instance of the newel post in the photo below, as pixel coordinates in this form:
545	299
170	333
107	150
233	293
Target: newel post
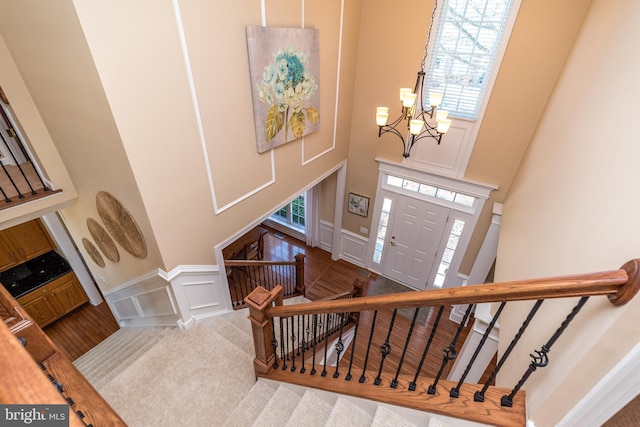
258	300
299	273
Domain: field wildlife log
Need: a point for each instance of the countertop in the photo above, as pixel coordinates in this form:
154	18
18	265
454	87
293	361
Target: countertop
34	273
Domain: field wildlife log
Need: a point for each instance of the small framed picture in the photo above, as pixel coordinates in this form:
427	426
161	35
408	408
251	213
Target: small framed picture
358	205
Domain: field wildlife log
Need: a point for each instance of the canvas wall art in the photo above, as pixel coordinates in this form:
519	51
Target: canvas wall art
285	73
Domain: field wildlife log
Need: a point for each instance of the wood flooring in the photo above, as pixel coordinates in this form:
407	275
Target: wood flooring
82	329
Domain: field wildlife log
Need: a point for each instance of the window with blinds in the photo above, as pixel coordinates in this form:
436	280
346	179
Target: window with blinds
466	39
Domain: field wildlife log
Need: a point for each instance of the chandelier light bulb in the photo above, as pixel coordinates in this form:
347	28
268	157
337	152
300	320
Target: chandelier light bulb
415	126
403	91
441	115
381	118
443	126
409	99
435	99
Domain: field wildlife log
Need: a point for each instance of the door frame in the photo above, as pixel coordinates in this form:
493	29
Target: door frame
468	214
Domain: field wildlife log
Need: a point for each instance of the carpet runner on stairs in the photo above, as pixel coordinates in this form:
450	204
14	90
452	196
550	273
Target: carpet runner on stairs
204	376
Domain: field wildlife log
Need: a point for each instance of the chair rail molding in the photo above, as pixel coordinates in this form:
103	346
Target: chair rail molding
147	300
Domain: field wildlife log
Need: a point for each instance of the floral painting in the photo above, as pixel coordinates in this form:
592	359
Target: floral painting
284	65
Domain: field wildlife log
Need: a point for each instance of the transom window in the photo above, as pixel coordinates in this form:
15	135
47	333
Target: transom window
466	40
430	190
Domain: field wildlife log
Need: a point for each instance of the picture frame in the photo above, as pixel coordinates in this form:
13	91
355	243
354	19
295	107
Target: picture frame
284	65
358	204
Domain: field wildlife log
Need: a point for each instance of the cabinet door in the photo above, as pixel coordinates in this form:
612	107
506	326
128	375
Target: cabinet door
29	239
8	258
67	295
40	310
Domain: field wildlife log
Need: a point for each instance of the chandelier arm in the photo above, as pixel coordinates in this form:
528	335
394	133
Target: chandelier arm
430	131
386	129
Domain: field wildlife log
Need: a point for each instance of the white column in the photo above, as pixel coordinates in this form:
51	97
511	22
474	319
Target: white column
479	271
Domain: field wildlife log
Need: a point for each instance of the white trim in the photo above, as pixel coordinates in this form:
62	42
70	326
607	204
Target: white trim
58	231
335	115
462	185
611	394
203	142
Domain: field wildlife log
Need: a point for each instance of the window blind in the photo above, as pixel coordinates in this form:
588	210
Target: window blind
466	39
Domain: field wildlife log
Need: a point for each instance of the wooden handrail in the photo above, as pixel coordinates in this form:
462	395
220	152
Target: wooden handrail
619	285
245	262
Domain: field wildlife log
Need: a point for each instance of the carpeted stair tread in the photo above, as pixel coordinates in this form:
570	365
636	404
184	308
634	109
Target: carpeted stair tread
188	377
277	411
248	409
311	411
110	357
120	339
385	417
235	335
347	413
240	319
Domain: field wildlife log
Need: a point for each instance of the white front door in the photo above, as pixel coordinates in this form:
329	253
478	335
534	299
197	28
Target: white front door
413	240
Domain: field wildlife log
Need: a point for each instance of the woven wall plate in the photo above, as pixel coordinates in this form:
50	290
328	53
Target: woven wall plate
120	224
93	252
103	240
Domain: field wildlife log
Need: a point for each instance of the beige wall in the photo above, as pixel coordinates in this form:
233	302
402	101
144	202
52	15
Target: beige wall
391	47
573	209
111	83
41	143
56	65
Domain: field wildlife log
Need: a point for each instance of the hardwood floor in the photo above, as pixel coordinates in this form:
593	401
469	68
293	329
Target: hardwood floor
82	329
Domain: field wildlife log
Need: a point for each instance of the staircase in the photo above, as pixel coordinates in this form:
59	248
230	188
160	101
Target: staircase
154	376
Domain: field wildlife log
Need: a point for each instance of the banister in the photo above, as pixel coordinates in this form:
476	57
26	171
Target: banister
619	285
245	262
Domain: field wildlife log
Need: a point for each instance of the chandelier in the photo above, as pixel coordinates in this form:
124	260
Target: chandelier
413	114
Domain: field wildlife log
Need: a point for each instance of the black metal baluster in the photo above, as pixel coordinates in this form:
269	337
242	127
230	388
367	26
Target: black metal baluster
20	144
20	195
450	352
455	392
478	396
304	344
394	382
274	344
385	348
412	384
339	346
293	344
353	347
326	344
541	359
299	335
315	344
283	353
6	198
366	357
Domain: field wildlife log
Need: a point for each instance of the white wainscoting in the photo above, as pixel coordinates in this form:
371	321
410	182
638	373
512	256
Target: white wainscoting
201	292
326	236
180	298
354	248
144	301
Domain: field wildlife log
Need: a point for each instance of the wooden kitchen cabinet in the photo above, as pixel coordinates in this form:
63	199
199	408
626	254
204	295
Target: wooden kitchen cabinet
55	299
22	243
